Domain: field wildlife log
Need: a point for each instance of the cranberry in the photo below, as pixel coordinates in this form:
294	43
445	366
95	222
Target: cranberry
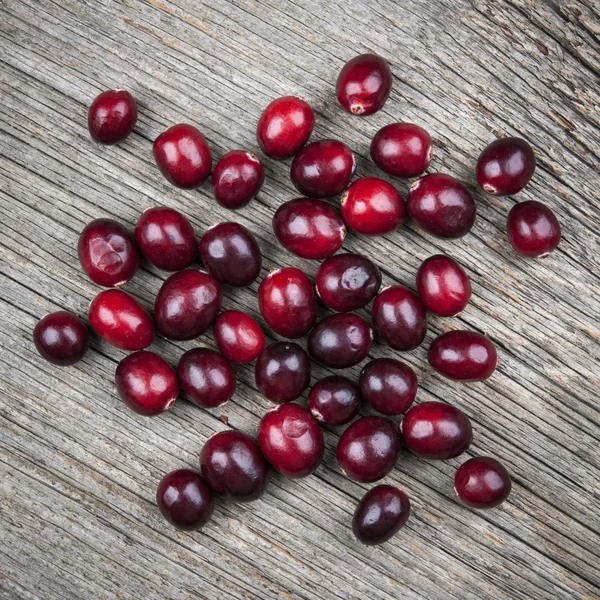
334	400
364	84
230	254
323	169
185	500
388	385
399	318
463	356
505	166
166	238
284	127
436	430
206	378
61	338
381	513
443	286
287	302
239	337
309	228
112	116
147	383
402	149
347	282
340	341
237	178
183	156
441	206
368	449
107	253
482	482
121	320
291	440
533	229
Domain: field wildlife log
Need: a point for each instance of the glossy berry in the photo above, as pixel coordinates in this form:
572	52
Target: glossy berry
112	116
482	482
237	178
61	338
533	229
238	336
334	400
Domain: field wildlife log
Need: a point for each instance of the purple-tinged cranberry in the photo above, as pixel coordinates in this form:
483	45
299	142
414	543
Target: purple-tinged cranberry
237	178
239	337
482	482
334	400
112	116
533	229
61	338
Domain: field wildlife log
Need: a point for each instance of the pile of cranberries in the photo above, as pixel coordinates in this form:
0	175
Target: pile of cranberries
189	303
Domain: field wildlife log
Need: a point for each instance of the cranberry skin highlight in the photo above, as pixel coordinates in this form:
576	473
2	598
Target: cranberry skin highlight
238	336
112	116
237	178
533	229
61	338
334	400
482	482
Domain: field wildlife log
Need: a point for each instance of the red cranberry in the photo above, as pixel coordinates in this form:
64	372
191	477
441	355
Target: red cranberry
284	127
230	254
441	206
340	341
368	449
291	440
309	228
183	156
185	500
533	229
282	372
436	430
399	318
61	338
187	304
388	385
239	337
121	320
463	356
166	238
112	116
402	149
237	178
482	482
206	378
364	84
505	166
147	383
443	286
107	253
381	513
287	302
323	169
334	400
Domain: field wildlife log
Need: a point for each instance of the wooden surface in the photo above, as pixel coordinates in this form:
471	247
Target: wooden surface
78	470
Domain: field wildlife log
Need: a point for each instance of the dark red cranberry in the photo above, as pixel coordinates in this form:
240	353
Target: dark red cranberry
230	254
388	385
441	206
291	440
334	400
107	253
61	338
147	383
284	127
121	320
237	178
206	378
505	166
463	355
381	513
323	169
287	302
166	238
443	286
368	449
399	318
234	466
183	156
187	304
112	116
185	500
436	430
364	84
340	341
533	229
239	337
402	149
482	482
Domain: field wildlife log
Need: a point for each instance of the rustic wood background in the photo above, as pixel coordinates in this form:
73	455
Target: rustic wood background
78	470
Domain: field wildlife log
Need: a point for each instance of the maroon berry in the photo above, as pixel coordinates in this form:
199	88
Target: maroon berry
112	116
482	482
239	337
237	178
61	338
533	229
334	400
